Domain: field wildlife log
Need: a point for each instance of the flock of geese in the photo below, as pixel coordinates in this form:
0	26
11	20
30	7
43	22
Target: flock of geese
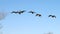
32	12
2	15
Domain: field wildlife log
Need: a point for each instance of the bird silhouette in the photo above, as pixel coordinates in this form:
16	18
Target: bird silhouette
53	16
49	15
14	12
32	12
38	15
19	12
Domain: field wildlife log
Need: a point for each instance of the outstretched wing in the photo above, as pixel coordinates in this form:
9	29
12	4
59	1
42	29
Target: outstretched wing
32	12
38	15
14	12
53	16
22	11
49	15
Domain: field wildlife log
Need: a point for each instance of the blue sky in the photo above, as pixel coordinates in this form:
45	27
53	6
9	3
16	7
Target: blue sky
27	23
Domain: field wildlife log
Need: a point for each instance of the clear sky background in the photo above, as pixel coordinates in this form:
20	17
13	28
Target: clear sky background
27	23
